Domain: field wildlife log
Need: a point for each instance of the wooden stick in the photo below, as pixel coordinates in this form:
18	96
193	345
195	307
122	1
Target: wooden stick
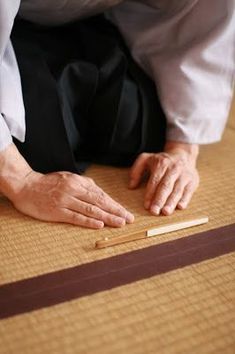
106	242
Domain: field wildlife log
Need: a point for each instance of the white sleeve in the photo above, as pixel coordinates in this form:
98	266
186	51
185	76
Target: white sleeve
188	47
12	114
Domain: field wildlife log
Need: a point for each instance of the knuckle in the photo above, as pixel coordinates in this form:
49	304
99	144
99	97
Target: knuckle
89	209
88	195
177	191
163	164
61	180
61	174
165	185
159	201
144	155
174	196
174	168
100	197
164	158
64	177
66	181
110	219
154	180
159	198
179	186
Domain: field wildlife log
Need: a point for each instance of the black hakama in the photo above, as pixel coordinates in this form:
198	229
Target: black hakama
86	100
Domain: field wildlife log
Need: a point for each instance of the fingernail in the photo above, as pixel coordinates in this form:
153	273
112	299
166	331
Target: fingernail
155	210
130	218
147	204
167	210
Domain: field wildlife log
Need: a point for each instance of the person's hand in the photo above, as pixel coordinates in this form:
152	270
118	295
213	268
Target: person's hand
173	177
59	196
69	198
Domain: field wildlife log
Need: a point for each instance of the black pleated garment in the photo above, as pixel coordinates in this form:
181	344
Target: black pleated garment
86	100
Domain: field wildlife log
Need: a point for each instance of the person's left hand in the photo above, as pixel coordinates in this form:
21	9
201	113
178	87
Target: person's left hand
173	177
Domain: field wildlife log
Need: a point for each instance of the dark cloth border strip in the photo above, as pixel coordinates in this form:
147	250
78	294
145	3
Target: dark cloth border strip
64	285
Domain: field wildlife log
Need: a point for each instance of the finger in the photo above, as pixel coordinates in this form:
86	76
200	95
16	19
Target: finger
153	182
116	208
95	212
99	198
174	197
138	169
77	219
163	191
85	189
187	196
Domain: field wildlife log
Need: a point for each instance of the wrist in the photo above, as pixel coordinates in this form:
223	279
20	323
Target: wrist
13	171
189	151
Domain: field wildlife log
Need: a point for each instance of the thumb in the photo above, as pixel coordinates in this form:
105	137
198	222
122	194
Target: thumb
138	169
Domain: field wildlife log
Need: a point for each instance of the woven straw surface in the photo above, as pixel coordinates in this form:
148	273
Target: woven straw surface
188	310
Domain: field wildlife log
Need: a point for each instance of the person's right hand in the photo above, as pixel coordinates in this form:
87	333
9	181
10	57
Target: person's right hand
69	198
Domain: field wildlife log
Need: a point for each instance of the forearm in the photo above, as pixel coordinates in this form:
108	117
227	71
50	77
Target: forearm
13	171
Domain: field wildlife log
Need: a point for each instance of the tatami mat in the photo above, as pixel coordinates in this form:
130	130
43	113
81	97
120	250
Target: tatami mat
32	247
189	310
186	311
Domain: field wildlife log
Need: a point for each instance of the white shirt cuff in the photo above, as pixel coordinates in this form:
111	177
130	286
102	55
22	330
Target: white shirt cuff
5	135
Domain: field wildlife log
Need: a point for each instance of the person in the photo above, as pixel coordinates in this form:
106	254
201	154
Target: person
71	94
